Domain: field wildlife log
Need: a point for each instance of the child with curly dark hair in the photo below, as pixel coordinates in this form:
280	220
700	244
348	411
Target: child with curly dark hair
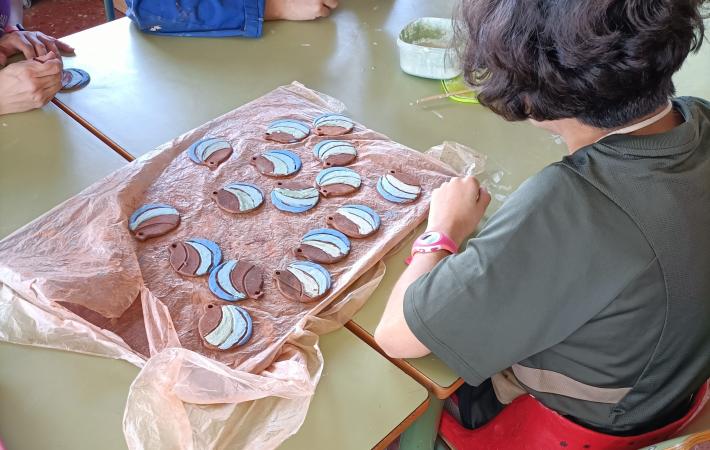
590	287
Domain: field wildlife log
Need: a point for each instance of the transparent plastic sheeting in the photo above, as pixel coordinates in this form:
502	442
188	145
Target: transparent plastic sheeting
76	280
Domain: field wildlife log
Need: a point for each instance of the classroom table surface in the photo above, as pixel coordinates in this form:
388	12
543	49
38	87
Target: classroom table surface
363	400
60	400
46	158
148	89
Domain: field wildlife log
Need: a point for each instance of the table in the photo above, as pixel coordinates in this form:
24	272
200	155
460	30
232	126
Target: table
351	371
362	400
46	158
45	393
149	89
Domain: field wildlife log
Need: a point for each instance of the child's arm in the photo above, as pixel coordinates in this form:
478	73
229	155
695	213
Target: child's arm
298	9
15	13
456	209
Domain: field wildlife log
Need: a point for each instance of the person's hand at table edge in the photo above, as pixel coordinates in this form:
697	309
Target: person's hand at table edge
298	9
456	209
30	44
31	84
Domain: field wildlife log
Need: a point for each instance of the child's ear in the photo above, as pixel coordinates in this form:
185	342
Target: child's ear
527	104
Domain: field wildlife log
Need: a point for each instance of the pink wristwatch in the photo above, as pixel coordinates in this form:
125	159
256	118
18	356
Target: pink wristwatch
433	241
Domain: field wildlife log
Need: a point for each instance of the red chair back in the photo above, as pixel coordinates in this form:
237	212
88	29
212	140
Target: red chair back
526	424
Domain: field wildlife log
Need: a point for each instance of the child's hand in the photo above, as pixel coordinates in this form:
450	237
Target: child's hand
30	44
457	207
30	84
298	9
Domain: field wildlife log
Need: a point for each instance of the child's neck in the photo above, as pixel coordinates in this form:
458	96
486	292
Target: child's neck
578	135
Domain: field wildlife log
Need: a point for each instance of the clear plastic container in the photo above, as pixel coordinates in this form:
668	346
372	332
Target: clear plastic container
425	49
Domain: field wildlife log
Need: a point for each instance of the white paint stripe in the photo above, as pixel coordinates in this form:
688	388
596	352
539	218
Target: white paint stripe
300	193
310	286
339	149
246	202
320	277
362	225
205	257
392	190
362	214
325	237
238	327
151	213
345	179
408	188
556	383
327	247
212	148
280	167
217	336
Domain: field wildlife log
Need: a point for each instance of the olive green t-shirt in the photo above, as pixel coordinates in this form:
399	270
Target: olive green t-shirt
592	281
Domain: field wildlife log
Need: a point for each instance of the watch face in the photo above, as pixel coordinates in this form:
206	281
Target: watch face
430	237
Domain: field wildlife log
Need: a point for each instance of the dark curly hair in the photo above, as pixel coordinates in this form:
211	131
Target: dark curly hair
603	62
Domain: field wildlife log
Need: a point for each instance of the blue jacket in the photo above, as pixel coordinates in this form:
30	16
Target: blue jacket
202	18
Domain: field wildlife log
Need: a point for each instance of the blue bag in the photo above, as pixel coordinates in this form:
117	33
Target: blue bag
199	18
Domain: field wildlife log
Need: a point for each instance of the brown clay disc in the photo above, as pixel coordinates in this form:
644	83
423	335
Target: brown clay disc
263	165
305	251
346	225
277	163
184	259
398	187
228	198
157	226
209	321
248	278
406	178
227	201
289	286
218	157
332	131
339	160
213	318
337	190
281	138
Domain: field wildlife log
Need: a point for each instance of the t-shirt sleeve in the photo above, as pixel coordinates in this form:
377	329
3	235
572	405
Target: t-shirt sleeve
552	257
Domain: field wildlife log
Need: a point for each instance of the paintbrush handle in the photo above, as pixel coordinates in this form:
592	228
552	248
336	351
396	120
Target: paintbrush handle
441	96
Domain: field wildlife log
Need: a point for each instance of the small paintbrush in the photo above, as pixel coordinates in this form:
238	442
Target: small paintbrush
442	96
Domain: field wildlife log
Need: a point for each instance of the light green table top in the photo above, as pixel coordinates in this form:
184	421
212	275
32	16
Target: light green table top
148	89
360	399
46	157
60	400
